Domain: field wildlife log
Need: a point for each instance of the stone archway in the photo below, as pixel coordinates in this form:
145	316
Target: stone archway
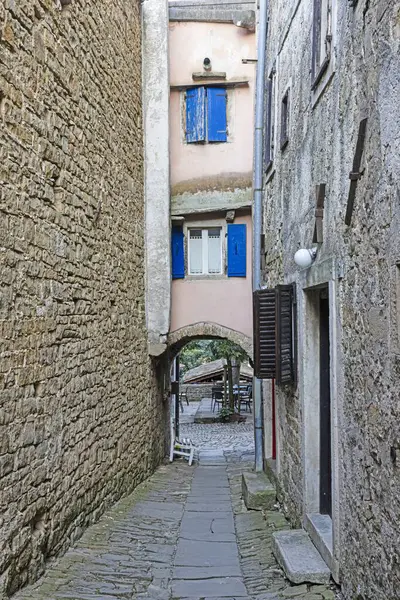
177	339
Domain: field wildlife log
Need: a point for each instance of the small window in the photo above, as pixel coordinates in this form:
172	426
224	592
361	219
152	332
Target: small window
322	39
270	121
205	251
206	115
285	120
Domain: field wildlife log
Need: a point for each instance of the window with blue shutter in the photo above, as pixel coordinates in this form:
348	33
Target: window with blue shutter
236	250
206	115
195	115
177	252
216	114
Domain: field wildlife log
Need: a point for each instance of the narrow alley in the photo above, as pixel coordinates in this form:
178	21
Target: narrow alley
184	533
199	299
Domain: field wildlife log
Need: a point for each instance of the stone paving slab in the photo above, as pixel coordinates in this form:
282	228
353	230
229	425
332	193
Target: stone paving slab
207	572
212	506
203	554
229	587
207	522
222	598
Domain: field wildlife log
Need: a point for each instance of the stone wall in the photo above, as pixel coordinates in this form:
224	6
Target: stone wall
81	417
196	391
363	80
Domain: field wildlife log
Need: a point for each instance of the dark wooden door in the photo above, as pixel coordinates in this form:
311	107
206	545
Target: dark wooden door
175	392
273	421
325	409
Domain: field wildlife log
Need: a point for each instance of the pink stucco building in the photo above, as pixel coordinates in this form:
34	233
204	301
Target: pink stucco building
212	78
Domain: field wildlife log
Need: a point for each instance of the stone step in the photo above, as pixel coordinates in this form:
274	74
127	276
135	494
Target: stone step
299	558
319	528
258	492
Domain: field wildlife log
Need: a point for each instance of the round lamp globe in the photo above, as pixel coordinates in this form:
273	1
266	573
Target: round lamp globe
304	258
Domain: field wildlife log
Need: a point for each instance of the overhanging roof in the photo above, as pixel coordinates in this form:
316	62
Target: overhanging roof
212	369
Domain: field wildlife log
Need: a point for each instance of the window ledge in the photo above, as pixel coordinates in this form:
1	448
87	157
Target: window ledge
321	72
320	86
216	277
230	83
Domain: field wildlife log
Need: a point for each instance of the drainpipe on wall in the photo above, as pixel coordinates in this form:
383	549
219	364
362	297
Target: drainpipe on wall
257	210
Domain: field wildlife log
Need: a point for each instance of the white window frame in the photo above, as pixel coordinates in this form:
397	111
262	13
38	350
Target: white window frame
324	69
322	39
204	250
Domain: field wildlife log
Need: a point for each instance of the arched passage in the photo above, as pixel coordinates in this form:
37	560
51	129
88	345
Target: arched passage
177	339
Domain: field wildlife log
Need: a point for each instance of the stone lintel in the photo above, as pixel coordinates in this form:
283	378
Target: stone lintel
226	83
208	75
218	12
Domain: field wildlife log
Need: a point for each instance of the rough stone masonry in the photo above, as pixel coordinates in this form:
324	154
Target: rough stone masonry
81	418
364	82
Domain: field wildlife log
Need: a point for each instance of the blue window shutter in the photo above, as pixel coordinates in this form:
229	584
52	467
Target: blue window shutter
216	114
178	259
195	115
236	250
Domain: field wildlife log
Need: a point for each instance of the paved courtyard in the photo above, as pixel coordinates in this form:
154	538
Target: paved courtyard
183	534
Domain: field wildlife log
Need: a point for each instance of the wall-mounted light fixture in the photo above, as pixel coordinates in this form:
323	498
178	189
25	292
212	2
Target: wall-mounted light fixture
305	257
207	64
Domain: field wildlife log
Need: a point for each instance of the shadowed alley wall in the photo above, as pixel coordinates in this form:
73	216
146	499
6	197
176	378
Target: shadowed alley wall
81	418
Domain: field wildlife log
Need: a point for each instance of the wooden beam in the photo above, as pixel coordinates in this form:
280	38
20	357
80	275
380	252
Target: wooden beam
318	237
355	174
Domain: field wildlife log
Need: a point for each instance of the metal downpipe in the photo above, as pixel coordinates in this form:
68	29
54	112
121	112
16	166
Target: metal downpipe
257	210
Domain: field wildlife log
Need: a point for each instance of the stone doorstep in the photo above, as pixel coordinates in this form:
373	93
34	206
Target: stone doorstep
319	528
299	558
258	492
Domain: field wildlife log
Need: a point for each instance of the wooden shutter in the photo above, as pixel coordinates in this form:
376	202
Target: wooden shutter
286	370
216	115
195	115
264	315
177	252
236	250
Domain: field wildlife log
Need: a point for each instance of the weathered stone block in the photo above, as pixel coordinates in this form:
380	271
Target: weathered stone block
258	492
299	558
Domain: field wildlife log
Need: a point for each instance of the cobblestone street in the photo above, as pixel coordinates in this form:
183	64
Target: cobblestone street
184	533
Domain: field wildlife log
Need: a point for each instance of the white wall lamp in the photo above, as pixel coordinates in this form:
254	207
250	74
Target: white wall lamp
305	257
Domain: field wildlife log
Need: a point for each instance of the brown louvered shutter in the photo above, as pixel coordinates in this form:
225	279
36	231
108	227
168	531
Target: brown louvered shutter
264	333
286	332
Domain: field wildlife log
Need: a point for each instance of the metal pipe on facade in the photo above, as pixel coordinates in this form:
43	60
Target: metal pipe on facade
257	209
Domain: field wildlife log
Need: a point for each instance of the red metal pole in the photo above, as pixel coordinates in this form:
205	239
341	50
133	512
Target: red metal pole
273	422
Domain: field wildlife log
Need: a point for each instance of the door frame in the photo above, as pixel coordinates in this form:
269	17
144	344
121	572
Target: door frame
310	282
